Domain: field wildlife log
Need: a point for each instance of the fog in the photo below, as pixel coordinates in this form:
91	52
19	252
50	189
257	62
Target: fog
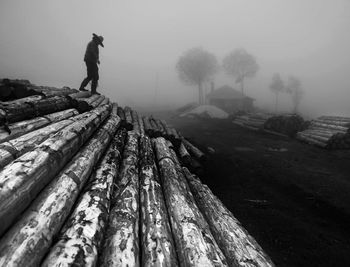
44	41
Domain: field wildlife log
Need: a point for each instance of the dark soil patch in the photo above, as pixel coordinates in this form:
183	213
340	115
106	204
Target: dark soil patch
293	198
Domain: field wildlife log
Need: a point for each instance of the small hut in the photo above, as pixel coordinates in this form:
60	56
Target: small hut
230	100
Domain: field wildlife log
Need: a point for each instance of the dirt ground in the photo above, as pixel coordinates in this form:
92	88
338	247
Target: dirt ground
292	197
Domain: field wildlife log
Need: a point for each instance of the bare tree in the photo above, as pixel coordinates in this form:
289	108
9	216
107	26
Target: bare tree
276	86
296	92
195	67
240	65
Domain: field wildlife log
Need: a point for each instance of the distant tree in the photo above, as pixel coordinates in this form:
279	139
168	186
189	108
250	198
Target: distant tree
276	86
295	90
240	65
195	67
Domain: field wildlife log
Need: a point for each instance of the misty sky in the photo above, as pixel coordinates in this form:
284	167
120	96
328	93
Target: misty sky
44	41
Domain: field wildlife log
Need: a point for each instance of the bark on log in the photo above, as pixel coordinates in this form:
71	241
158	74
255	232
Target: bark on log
81	94
121	242
193	150
329	126
17	129
135	122
158	248
311	140
128	118
334	122
147	126
142	126
22	180
21	101
105	101
121	115
15	148
80	238
316	137
239	247
335	118
194	242
29	239
98	101
84	104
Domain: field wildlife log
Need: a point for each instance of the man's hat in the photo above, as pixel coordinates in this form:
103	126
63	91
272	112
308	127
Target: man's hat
98	38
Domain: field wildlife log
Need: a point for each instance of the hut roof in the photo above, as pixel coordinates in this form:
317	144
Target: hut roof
227	92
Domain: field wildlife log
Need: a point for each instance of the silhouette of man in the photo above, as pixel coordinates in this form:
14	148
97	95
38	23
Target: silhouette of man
91	59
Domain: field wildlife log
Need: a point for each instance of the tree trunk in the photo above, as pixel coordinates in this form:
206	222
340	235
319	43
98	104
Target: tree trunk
242	85
121	242
157	243
22	180
200	93
30	238
276	101
239	247
83	232
194	242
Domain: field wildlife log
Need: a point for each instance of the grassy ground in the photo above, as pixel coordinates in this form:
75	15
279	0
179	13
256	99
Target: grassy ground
292	197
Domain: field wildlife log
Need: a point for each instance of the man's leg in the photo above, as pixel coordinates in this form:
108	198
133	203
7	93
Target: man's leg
84	84
95	78
87	79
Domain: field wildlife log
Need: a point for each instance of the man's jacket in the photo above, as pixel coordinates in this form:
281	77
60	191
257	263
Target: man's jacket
91	54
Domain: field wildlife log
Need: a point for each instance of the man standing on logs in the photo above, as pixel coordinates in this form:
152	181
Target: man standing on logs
91	59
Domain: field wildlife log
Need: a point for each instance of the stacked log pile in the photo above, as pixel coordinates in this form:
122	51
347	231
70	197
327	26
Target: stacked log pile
329	132
286	125
253	121
109	187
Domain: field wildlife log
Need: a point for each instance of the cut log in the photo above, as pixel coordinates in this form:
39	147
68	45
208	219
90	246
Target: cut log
193	150
21	101
157	245
141	126
128	118
98	101
15	148
17	129
29	239
121	115
82	234
22	179
239	247
147	126
335	118
193	239
334	122
311	140
84	104
329	126
121	242
80	94
135	122
105	101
